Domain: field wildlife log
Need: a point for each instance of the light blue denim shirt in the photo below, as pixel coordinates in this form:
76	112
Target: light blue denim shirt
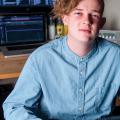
57	84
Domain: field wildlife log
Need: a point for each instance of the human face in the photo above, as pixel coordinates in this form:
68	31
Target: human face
84	21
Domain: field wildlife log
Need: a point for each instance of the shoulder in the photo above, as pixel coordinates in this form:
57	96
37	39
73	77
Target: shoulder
48	49
106	45
52	45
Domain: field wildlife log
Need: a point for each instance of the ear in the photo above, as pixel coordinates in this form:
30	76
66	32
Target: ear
102	22
65	19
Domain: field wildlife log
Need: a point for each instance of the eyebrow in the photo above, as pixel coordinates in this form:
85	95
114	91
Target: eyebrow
82	10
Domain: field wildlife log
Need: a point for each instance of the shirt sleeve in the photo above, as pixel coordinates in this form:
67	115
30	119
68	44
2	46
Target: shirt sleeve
118	94
22	103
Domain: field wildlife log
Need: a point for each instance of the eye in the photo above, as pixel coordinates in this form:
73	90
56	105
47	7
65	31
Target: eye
78	13
96	16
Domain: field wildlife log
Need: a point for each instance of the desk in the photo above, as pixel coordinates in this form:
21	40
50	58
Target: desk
12	66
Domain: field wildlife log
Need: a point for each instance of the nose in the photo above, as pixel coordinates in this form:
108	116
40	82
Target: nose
87	19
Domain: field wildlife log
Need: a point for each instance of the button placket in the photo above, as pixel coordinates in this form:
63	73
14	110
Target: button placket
82	69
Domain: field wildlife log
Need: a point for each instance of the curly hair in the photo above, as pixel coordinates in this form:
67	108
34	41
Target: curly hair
62	7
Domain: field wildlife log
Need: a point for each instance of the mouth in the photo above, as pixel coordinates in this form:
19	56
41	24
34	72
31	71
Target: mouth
85	30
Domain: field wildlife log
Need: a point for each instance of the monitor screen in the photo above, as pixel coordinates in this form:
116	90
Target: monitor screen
23	29
25	2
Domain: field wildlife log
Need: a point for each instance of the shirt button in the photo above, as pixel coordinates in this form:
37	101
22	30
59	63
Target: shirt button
81	91
81	109
81	72
81	59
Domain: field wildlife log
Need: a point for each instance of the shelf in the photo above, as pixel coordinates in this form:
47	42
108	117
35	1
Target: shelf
18	10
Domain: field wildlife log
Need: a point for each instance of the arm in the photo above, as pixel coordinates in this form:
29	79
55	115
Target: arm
22	103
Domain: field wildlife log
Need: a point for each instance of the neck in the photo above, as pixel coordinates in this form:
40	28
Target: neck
80	48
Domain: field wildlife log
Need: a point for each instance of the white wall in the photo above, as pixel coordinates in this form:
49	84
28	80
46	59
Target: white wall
112	13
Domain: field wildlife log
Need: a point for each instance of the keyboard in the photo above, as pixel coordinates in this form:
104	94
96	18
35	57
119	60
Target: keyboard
19	50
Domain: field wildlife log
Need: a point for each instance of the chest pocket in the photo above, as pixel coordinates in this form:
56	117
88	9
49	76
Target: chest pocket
105	96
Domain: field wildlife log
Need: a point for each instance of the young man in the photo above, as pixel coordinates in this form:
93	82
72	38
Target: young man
75	77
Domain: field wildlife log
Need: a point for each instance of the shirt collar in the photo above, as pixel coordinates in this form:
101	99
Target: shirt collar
70	54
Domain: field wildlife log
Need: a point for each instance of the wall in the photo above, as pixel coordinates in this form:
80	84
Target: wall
112	13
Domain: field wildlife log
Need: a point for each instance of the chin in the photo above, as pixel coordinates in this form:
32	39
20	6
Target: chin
86	39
